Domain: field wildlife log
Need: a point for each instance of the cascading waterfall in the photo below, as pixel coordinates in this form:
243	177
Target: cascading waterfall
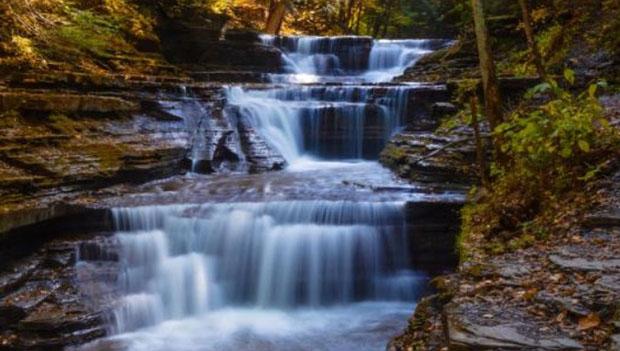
292	273
179	261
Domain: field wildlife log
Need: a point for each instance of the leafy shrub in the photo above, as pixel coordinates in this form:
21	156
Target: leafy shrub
561	140
551	151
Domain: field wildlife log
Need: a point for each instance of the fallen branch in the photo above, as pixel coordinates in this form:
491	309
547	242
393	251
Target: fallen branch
441	149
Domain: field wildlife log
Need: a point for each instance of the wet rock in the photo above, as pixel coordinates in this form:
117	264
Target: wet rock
232	54
17	274
99	249
230	76
55	318
259	155
434	227
19	304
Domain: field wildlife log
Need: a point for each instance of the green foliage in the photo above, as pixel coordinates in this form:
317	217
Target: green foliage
557	141
552	151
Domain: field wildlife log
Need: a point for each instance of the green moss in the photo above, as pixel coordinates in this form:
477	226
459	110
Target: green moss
63	124
110	157
97	34
394	155
10	119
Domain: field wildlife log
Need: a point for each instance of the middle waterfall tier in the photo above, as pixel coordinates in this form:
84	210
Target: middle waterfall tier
325	122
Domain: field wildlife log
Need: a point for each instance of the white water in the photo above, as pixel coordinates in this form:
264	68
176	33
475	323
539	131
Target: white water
312	59
293	119
296	274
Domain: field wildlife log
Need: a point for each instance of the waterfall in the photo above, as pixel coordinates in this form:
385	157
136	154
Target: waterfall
324	122
311	59
390	58
295	271
179	261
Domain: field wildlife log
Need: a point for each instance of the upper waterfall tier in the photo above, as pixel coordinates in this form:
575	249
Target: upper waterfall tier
311	59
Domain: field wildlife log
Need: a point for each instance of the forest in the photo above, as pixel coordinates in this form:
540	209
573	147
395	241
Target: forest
309	175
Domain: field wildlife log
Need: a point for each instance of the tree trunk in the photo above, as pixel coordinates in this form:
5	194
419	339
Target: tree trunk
531	41
481	157
492	99
275	18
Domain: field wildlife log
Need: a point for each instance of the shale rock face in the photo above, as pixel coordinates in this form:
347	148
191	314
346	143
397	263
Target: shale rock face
106	130
45	303
447	160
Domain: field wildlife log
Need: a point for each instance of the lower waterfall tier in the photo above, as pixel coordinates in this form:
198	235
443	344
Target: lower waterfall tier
180	261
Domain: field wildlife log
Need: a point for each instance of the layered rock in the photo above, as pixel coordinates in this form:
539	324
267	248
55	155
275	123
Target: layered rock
45	302
444	160
56	146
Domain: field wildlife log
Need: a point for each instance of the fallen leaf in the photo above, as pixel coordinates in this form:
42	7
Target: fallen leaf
530	294
560	318
588	322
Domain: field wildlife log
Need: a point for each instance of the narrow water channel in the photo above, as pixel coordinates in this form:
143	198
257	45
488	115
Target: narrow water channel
292	260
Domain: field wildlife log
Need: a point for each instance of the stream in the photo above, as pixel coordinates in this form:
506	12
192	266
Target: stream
313	257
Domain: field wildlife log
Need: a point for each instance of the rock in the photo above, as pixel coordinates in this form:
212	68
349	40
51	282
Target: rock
614	344
19	304
469	329
442	109
17	274
244	36
259	155
583	264
435	226
230	76
64	103
232	54
53	318
604	219
562	304
454	166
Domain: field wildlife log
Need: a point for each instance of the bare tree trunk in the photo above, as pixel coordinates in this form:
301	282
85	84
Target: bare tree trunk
492	98
531	41
275	17
360	13
480	152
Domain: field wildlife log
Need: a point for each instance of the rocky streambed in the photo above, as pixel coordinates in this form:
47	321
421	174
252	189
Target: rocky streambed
78	148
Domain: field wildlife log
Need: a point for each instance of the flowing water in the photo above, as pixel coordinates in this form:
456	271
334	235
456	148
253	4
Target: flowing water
283	261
